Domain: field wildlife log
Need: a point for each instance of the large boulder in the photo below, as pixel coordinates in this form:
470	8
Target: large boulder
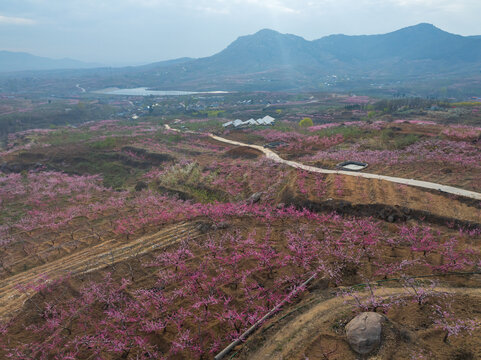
364	332
254	198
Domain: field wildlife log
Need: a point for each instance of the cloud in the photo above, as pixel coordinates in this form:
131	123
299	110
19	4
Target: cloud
214	11
437	5
224	6
273	5
97	30
9	20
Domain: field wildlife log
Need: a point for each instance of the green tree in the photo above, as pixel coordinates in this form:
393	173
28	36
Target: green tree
306	122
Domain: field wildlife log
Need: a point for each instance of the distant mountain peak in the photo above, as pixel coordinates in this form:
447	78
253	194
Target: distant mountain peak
422	27
271	34
266	31
265	35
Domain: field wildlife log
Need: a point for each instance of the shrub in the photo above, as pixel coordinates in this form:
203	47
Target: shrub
306	122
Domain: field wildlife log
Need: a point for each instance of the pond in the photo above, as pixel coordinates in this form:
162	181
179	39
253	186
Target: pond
143	91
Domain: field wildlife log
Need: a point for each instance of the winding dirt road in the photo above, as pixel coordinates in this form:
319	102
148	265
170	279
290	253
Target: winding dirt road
411	182
291	339
417	183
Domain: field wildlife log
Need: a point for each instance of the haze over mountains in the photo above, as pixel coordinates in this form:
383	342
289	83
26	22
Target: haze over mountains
419	43
274	57
268	60
20	61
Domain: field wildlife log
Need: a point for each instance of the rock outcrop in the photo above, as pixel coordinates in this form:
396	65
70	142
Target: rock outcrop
364	332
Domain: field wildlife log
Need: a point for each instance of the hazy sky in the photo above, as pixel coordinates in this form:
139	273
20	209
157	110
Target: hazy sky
140	31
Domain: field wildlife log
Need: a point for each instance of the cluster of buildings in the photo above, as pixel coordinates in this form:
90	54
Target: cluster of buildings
266	120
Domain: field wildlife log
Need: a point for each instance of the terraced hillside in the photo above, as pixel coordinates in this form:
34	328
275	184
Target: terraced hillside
15	289
136	241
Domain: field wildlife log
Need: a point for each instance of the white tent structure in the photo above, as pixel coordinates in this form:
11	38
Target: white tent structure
251	122
237	123
266	120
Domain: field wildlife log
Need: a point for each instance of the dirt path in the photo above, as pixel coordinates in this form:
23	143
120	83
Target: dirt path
417	183
85	261
291	339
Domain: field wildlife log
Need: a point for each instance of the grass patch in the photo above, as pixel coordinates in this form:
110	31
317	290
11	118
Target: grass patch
210	125
466	104
108	143
253	138
170	138
203	195
114	174
346	131
65	137
400	142
279	126
395	141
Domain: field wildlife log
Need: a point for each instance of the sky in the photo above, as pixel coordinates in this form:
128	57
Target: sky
122	32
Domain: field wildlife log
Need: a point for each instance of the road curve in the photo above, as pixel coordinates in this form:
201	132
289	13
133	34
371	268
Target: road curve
411	182
289	340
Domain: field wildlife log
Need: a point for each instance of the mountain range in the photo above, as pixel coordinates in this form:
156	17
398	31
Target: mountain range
269	60
20	61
